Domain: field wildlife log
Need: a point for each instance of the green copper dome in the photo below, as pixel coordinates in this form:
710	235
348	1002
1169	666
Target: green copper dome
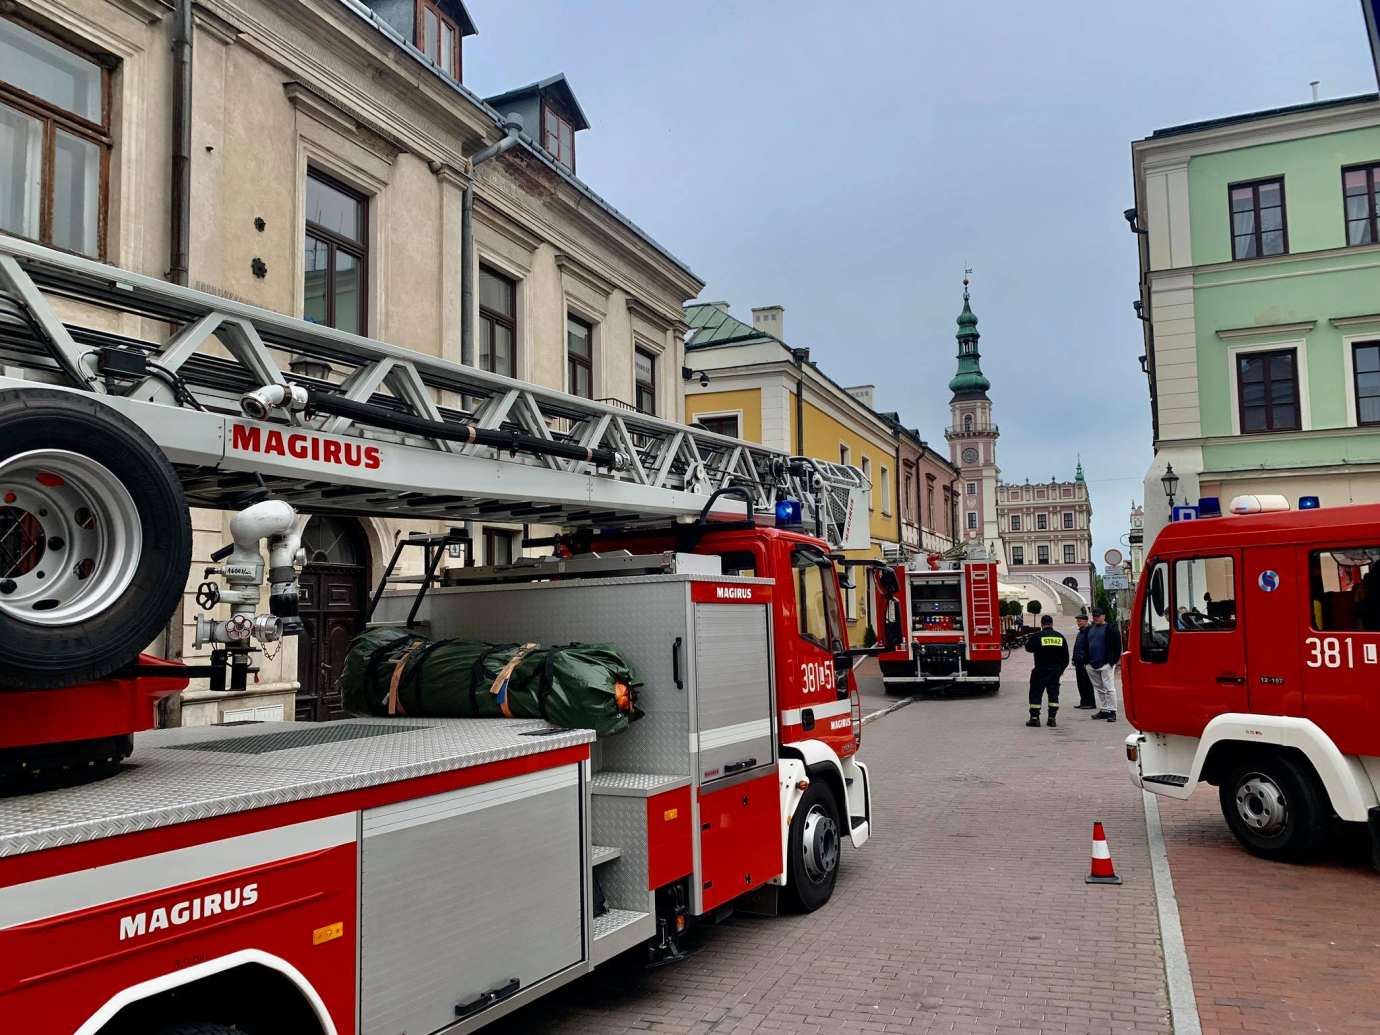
1078	474
969	381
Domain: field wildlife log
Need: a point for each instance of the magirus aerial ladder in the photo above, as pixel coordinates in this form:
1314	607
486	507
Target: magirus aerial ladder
107	437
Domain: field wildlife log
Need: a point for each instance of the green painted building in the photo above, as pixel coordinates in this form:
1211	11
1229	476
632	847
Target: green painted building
1259	240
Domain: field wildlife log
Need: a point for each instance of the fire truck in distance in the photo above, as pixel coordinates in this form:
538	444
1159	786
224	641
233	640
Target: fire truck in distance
947	624
385	874
1252	665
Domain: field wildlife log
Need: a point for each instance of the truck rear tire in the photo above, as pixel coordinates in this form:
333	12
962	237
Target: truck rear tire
1276	807
95	539
812	849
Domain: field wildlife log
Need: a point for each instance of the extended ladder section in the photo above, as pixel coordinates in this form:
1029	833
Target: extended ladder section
242	399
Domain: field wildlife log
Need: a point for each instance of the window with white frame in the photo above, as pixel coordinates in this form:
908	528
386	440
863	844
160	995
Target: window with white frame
1017	555
972	519
1069	553
886	491
867	473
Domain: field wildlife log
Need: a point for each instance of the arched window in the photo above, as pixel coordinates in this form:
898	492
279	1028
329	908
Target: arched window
333	540
1071	582
967	422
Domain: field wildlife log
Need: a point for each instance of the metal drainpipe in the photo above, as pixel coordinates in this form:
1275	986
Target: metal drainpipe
798	357
180	222
512	128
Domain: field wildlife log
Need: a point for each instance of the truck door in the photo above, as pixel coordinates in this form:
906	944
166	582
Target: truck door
812	691
1276	603
1192	661
1340	664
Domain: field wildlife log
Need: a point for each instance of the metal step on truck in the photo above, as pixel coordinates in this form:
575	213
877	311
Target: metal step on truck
949	624
384	874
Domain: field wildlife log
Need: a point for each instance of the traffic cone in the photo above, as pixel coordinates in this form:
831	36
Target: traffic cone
1102	872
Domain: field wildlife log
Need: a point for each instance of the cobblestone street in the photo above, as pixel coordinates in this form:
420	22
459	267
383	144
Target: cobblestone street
966	912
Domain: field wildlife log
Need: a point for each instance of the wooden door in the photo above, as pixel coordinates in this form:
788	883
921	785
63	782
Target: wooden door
332	609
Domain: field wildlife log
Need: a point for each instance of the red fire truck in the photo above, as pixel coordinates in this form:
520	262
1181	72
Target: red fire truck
949	626
384	875
1252	664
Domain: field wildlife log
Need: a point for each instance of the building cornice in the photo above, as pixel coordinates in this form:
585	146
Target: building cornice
148	11
1152	152
1266	330
1355	321
1266	264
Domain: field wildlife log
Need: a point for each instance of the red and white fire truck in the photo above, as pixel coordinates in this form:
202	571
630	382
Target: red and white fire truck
949	624
383	875
1252	664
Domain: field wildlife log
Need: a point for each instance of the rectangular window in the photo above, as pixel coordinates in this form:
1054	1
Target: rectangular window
579	357
1042	521
644	381
558	138
726	425
906	512
886	491
1068	519
1358	196
815	600
497	323
1017	555
1154	620
1268	390
972	519
1346	589
929	502
54	142
971	489
1205	594
1042	555
1365	370
499	547
1015	522
335	271
1257	219
438	37
867	474
1068	553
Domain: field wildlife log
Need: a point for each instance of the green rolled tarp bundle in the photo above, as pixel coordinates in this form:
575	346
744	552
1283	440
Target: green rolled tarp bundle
577	686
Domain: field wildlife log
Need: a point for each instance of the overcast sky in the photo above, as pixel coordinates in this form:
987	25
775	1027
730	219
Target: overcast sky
847	160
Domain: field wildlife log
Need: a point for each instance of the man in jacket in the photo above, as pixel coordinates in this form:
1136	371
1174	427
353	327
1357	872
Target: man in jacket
1051	652
1080	664
1104	654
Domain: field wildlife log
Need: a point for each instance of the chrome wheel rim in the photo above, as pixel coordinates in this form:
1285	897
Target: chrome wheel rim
70	537
1261	804
819	846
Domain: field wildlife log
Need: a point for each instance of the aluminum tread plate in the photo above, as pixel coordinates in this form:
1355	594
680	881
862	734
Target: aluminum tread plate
635	785
614	920
600	854
619	930
159	788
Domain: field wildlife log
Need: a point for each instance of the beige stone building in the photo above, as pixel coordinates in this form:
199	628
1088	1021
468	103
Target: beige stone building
1046	529
323	174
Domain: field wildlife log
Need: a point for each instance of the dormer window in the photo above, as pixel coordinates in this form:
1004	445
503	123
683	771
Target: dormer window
438	37
558	137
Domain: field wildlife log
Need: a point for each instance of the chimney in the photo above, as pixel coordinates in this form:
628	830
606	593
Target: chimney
770	319
720	306
865	394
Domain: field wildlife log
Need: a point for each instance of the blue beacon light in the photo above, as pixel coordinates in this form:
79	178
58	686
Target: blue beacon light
788	512
1309	503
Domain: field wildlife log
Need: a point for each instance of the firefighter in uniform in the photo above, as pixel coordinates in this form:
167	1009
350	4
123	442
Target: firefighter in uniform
1051	652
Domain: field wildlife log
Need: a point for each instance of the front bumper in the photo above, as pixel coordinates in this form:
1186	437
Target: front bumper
1134	743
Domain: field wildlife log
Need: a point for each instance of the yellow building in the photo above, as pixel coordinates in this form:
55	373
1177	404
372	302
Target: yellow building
762	390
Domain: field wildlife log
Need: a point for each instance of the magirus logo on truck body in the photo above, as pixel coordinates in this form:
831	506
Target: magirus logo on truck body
214	903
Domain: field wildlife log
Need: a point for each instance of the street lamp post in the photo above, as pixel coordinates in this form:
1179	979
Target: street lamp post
1170	481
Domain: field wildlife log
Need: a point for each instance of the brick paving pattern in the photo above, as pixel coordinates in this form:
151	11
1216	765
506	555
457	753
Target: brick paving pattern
966	912
1272	947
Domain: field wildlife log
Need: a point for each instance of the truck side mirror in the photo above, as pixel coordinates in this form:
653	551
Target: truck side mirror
1157	593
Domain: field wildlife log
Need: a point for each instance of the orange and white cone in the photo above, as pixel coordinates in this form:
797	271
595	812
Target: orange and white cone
1102	871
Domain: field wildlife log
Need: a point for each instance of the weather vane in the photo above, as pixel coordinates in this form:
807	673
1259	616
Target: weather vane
967	272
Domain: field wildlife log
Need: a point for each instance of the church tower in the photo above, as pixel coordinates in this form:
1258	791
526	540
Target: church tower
973	439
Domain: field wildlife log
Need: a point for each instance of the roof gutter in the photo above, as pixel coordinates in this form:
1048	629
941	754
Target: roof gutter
512	133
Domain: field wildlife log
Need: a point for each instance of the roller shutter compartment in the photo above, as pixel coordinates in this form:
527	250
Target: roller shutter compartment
467	898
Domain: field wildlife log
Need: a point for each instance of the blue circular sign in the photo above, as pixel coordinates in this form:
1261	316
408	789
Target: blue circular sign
1268	581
